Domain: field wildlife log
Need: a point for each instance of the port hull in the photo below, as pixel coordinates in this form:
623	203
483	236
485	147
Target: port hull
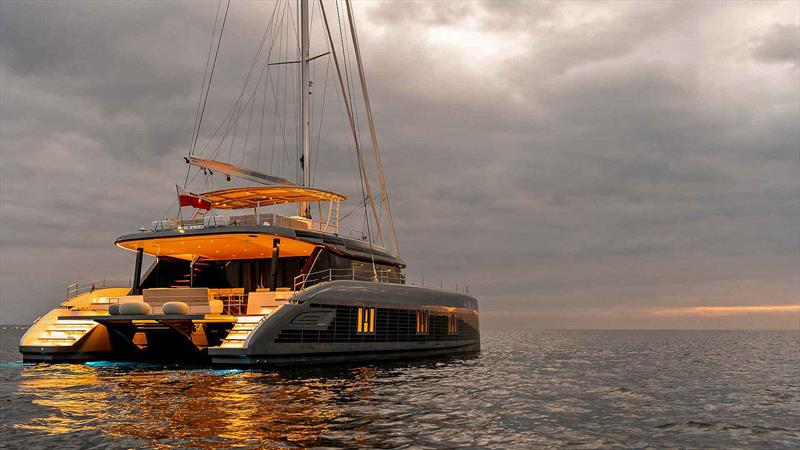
32	354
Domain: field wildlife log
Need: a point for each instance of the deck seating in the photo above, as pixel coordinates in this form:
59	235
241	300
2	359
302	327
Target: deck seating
196	298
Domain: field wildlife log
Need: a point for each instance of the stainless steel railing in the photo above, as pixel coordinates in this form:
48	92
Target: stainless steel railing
303	281
272	219
81	287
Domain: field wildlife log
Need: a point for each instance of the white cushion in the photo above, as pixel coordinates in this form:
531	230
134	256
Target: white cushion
134	309
175	308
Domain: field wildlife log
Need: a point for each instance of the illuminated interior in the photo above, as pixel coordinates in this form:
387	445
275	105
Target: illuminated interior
219	246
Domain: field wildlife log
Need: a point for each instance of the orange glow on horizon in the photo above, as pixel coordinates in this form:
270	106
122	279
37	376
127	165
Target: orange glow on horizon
727	310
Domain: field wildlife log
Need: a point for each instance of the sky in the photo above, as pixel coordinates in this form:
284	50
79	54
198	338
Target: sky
577	164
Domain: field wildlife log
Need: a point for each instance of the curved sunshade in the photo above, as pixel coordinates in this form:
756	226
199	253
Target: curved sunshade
250	197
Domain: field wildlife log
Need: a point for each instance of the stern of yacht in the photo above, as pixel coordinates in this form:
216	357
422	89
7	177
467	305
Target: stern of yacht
96	326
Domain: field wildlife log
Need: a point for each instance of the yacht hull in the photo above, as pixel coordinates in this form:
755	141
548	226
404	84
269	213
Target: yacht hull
344	357
397	322
332	322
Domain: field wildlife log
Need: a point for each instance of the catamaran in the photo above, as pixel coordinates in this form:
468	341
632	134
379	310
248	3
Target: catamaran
237	280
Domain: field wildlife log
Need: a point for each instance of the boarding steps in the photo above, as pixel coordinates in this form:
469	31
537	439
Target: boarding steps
241	330
64	333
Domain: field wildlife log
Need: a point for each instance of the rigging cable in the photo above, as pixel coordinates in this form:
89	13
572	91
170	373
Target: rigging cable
321	117
205	76
371	123
264	69
251	99
355	124
365	190
199	120
232	117
210	77
229	117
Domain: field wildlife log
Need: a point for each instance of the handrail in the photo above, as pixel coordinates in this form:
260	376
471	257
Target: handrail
269	219
81	287
277	220
380	276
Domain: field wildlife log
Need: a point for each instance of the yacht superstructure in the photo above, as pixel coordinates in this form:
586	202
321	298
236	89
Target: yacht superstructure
239	281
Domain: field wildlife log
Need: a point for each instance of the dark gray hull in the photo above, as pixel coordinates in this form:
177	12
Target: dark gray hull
343	357
320	325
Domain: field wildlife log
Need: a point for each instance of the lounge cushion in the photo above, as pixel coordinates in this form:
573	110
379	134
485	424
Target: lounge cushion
175	308
134	309
113	309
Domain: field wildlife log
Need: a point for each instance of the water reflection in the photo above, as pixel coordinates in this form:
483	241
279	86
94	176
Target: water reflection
197	407
525	390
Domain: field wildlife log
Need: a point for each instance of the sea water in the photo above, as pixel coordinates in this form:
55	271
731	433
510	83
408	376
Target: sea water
526	389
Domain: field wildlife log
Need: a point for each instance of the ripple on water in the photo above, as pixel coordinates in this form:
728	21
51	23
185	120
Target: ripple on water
526	389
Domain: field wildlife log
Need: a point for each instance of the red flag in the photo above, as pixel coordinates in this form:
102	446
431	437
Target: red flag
194	200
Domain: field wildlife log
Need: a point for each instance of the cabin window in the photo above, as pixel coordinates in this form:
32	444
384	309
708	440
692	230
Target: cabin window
422	322
452	323
366	320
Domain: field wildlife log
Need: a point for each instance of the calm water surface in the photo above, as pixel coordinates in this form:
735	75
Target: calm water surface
593	389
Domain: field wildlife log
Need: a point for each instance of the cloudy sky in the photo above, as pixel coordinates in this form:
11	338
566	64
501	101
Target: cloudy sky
577	164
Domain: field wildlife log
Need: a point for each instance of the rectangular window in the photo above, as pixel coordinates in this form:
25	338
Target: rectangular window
366	320
422	322
452	323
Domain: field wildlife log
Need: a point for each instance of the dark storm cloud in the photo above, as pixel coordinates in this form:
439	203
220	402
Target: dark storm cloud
567	161
781	44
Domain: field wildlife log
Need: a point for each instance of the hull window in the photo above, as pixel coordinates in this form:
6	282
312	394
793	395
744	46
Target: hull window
422	322
366	320
452	323
391	325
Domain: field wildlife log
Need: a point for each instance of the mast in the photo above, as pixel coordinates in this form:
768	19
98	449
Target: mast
305	106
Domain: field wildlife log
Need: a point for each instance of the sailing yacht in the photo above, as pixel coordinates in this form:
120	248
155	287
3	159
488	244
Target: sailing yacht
236	280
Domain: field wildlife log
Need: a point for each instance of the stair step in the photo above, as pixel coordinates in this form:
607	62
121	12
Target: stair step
234	344
67	330
241	330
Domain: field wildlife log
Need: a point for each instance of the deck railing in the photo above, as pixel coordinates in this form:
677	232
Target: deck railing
269	219
303	281
81	287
